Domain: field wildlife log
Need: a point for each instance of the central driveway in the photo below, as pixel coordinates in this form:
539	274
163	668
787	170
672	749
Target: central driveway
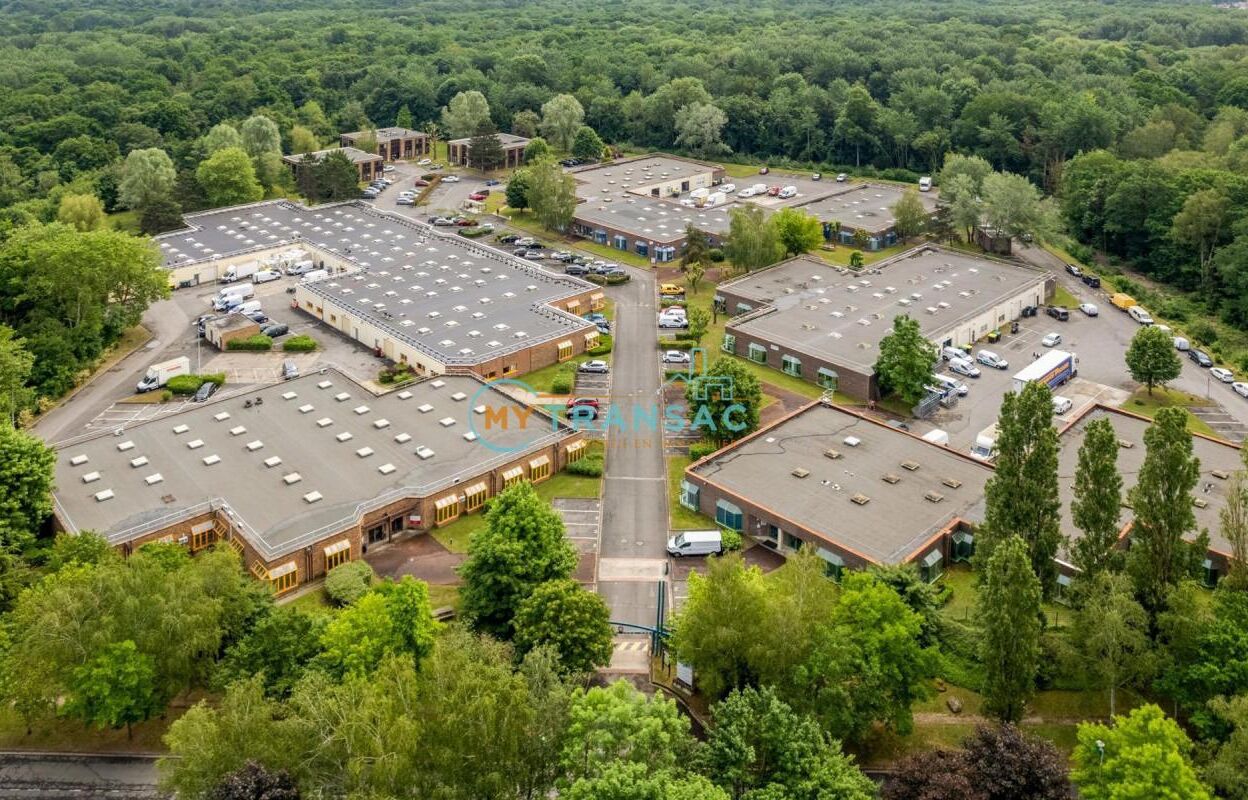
632	560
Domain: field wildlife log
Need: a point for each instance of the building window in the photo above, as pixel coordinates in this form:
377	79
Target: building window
513	476
576	451
932	566
539	469
729	345
772	534
565	349
827	378
591	340
474	496
337	554
791	366
743	308
596	301
308	303
792	542
203	538
446	509
690	494
619	242
282	579
758	353
834	565
728	515
642	249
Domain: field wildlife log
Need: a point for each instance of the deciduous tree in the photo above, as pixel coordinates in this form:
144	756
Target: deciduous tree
537	149
699	319
562	116
521	547
586	145
518	189
116	688
279	648
229	178
1143	756
699	128
16	363
392	619
724	401
551	195
910	214
752	241
26	478
573	622
303	140
1151	358
797	231
1233	519
618	724
260	135
1008	616
83	212
1201	224
905	363
147	176
1097	505
464	114
1013	205
221	136
697	248
253	781
1110	636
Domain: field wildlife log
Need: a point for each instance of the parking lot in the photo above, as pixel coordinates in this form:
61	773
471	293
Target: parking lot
446	197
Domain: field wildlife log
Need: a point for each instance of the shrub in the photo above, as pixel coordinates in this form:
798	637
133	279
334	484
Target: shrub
562	382
590	466
616	280
598	279
1242	360
472	232
215	377
699	450
299	344
184	384
251	343
675	375
671	301
899	174
600	350
166	396
1173	309
1081	252
676	344
715	254
1203	332
348	582
731	538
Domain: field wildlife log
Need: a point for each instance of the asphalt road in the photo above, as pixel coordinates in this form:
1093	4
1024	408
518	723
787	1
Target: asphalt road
632	561
50	776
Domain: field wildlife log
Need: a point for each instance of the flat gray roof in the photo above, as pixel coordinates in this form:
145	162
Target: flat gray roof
865	206
612	199
897	519
354	153
507	140
1213	454
341	441
841	315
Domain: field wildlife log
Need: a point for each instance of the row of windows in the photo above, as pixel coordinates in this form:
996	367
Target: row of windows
337	559
284	581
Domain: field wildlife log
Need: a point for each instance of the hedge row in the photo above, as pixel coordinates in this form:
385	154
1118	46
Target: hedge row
257	342
299	344
677	344
189	384
590	466
562	382
473	232
604	280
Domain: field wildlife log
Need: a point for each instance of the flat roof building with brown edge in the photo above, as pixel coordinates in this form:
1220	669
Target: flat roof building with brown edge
457	150
1218	461
866	207
369	165
824	323
303	475
854	488
393	144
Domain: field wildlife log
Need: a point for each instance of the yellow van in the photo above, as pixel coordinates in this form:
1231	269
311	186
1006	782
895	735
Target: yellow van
671	289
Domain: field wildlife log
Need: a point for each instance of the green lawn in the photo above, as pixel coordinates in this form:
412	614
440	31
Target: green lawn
960	579
454	537
1146	405
679	517
1062	297
69	735
541	379
441	595
840	256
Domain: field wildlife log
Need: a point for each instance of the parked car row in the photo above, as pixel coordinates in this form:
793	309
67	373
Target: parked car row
374	189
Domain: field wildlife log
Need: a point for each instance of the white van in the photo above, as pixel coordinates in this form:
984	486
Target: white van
937	436
1182	344
696	543
249	307
1140	314
925	184
787	192
266	275
950	353
951	384
314	275
228	298
300	267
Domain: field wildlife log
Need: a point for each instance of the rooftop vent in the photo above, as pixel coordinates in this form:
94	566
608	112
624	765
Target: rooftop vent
238	430
952	483
312	497
892	478
342	396
304	409
138	462
222	417
107	494
212	459
800	473
181	429
124	446
934	497
405	395
446	422
860	499
851	441
424	452
832	453
1220	474
1126	444
424	408
324	384
289	395
78	460
381	423
272	461
324	422
386	469
91	477
153	479
195	444
291	478
403	438
345	436
910	465
364	452
361	409
1200	502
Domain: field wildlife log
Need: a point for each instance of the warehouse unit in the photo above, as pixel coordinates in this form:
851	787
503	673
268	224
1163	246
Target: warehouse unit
865	208
824	324
370	166
303	475
393	144
853	488
1219	460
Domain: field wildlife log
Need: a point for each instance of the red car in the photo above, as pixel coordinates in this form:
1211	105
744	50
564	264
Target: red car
478	196
582	401
421	182
464	222
773	191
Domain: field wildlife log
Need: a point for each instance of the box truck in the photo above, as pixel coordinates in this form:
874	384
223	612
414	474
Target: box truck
985	447
1052	369
237	272
1122	301
159	374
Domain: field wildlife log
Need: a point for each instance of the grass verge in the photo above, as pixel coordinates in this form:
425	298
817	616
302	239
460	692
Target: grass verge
679	517
71	736
1141	402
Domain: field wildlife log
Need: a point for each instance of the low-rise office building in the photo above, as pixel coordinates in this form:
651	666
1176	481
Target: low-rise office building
854	489
301	476
824	324
457	150
393	144
865	208
1219	460
632	204
370	166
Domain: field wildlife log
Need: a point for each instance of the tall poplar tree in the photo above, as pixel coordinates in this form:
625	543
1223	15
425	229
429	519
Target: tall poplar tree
1021	497
1097	505
1009	622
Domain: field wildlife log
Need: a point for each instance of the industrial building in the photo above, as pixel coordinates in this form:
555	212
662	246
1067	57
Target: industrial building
853	488
457	150
393	144
370	166
862	207
440	303
1218	461
630	205
824	323
301	476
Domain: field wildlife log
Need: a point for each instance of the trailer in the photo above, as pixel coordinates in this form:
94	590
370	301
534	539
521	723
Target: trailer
1052	369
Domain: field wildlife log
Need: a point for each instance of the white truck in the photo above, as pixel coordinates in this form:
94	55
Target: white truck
159	374
985	447
237	272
